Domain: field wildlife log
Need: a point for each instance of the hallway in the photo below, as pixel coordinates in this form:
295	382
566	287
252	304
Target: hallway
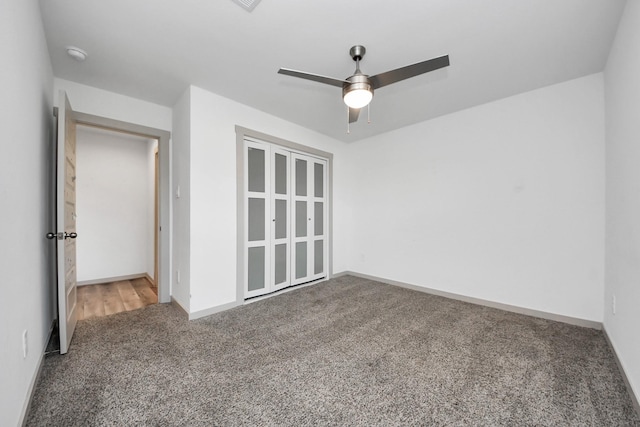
109	298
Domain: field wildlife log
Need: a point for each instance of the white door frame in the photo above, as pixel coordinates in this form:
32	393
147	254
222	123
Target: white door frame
163	282
241	132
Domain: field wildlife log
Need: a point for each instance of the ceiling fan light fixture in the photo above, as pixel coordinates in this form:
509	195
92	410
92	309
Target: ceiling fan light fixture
358	98
358	92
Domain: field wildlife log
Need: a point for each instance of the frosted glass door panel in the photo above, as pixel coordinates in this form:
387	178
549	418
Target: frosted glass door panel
301	260
318	256
256	268
256	169
318	226
280	174
256	219
281	219
301	177
280	261
318	179
301	219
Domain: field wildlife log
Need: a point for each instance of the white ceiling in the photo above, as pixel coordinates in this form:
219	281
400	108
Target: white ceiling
153	49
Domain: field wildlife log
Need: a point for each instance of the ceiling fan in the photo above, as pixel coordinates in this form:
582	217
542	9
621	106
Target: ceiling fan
357	90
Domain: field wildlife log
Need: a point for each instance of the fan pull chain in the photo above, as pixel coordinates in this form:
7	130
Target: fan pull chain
369	113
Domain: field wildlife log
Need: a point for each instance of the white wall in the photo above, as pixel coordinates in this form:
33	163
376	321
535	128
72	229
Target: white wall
180	150
27	120
114	200
502	202
213	190
91	100
622	84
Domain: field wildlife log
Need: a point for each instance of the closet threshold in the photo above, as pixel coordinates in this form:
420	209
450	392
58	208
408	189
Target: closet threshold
283	290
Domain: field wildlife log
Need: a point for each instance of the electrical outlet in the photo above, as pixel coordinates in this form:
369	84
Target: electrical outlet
24	344
613	304
178	276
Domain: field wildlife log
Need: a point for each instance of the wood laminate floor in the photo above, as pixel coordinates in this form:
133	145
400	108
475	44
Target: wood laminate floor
110	298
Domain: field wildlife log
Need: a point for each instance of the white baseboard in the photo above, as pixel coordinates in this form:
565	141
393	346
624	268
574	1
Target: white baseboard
213	310
113	279
177	304
153	282
635	397
501	306
219	308
206	312
34	379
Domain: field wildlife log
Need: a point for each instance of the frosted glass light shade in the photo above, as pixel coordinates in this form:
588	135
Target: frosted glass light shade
358	98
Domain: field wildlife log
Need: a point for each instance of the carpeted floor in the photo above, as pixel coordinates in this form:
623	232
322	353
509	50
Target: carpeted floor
344	352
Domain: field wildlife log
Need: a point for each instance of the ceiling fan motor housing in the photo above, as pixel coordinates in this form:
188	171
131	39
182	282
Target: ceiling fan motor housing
357	82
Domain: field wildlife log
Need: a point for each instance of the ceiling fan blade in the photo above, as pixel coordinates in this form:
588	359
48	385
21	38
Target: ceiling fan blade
315	77
393	76
353	114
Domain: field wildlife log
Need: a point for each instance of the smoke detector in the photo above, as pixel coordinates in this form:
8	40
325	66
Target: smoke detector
76	53
247	5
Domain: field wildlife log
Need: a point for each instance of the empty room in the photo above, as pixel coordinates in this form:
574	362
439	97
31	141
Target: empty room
355	213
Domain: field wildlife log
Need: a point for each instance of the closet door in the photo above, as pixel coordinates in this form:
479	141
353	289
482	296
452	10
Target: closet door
257	219
285	218
309	218
281	218
320	216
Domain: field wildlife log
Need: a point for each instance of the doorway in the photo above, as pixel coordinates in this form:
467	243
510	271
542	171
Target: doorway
161	257
116	188
64	233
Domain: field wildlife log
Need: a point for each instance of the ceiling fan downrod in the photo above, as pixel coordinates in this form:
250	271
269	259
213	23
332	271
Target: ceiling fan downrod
357	53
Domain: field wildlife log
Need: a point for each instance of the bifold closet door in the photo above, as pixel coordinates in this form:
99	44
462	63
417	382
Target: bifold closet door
309	213
257	219
281	218
285	218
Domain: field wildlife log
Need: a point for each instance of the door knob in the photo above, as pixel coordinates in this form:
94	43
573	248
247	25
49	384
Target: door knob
61	236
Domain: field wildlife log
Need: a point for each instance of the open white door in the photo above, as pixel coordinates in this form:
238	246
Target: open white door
66	222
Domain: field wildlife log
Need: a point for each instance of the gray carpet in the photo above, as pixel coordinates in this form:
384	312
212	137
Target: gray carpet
344	352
